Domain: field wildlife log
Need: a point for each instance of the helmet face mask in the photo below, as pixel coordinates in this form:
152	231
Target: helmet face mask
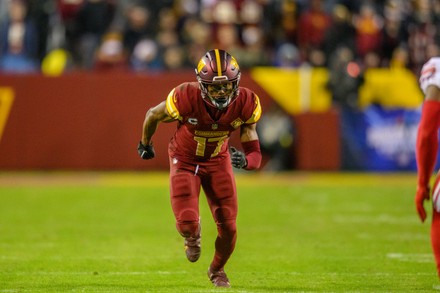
218	75
220	94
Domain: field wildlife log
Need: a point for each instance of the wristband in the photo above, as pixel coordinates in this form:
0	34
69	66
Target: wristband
253	154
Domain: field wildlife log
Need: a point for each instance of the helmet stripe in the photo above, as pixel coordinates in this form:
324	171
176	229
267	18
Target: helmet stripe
219	65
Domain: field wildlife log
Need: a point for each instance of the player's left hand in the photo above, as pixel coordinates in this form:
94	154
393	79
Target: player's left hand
238	159
422	194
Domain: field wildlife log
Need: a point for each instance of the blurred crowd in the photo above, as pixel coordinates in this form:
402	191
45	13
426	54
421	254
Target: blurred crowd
147	35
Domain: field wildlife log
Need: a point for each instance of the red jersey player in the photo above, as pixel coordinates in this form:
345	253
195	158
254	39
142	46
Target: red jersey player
427	148
207	112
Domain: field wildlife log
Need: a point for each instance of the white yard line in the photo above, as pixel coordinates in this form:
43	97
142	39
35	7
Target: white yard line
62	273
411	257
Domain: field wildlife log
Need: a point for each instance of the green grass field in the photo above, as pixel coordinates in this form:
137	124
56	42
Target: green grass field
297	232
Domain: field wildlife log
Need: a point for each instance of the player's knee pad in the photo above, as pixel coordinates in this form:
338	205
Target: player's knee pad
188	229
223	214
188	222
188	216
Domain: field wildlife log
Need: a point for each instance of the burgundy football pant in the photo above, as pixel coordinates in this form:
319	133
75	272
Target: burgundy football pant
217	180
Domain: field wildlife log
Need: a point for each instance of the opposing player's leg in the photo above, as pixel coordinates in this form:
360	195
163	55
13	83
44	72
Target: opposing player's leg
435	225
435	238
184	194
221	193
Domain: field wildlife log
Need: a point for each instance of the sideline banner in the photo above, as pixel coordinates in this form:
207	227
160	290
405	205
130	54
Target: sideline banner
391	138
6	101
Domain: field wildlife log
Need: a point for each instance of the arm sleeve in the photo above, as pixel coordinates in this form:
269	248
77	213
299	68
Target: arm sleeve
427	141
253	154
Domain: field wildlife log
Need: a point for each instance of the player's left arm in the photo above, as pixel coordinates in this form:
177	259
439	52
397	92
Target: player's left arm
251	158
427	146
251	145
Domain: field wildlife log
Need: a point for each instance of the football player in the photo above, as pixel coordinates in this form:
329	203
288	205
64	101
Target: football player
427	148
207	112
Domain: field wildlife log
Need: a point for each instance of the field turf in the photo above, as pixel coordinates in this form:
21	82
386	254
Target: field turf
297	232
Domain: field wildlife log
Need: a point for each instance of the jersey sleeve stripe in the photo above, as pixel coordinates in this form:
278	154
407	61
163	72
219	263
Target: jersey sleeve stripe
171	106
257	112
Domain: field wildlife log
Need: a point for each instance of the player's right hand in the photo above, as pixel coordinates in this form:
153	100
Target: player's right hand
422	194
146	152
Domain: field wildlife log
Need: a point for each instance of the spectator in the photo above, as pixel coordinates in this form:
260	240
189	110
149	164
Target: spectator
422	32
340	33
137	26
145	56
40	12
276	137
312	25
368	24
227	37
371	60
392	31
170	44
280	22
252	34
68	10
111	55
287	55
119	20
258	32
345	80
174	58
399	58
254	53
3	10
197	38
93	19
19	40
344	83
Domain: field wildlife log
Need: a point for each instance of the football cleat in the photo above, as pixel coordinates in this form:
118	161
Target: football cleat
193	247
218	278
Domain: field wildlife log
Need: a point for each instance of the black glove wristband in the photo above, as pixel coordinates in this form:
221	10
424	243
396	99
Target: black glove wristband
238	159
146	152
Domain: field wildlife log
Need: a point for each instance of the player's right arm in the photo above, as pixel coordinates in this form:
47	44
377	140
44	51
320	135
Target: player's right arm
427	139
154	116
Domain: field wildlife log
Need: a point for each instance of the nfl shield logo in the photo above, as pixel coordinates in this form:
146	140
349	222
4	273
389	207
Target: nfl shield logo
214	126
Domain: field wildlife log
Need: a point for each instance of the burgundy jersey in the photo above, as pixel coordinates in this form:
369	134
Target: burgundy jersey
203	134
